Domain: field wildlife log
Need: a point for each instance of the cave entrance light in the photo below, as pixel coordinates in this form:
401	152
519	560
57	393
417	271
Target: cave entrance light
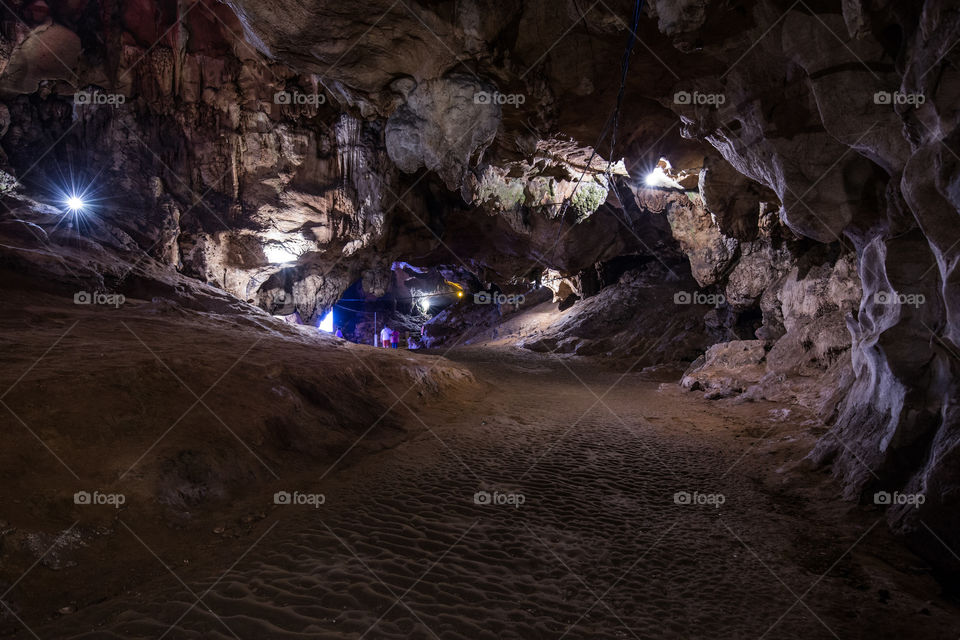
326	324
662	176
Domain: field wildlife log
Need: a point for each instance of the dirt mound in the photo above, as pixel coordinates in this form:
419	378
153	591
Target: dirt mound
151	412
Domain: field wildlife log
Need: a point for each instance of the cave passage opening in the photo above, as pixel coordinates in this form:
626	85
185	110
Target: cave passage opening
410	299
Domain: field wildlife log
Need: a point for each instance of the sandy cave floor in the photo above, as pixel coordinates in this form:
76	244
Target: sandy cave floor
600	548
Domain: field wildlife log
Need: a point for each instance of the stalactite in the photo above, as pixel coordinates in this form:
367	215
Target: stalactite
181	37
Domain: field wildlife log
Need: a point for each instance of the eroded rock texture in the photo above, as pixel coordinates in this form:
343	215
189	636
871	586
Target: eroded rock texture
282	150
836	119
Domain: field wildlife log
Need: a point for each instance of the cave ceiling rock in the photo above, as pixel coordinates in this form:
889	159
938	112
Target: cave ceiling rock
676	18
359	50
733	199
849	82
442	125
555	178
777	129
47	52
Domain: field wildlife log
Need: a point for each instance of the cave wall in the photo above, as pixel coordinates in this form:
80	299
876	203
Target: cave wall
221	164
844	111
481	134
862	151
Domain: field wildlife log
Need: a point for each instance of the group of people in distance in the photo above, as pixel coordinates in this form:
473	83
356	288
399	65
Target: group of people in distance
389	337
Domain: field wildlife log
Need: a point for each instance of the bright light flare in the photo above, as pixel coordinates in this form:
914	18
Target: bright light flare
75	204
661	177
74	195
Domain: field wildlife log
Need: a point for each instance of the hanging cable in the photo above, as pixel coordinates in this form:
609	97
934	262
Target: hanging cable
613	119
624	70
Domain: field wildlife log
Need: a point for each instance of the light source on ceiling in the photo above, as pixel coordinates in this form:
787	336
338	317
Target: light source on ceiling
662	176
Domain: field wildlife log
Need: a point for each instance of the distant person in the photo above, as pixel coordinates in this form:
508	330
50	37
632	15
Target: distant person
411	343
339	333
496	293
395	339
385	336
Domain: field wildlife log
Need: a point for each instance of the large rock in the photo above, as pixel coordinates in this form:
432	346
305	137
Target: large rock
441	125
711	254
626	320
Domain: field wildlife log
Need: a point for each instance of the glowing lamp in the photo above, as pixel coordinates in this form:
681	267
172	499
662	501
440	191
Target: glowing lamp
75	204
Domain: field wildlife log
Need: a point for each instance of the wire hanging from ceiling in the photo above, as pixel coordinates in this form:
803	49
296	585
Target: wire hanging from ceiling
612	120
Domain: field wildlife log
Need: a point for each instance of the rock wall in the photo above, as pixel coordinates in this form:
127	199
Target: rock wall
849	119
224	165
